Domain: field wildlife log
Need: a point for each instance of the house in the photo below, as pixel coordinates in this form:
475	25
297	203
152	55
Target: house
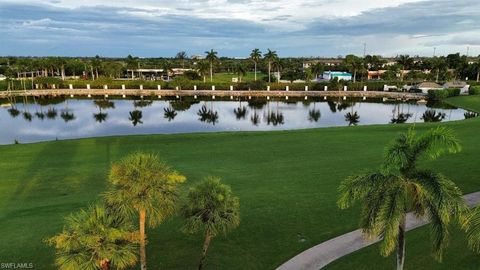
2	77
425	86
328	75
375	74
463	86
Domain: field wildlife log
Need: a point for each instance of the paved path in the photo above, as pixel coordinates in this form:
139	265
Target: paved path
320	255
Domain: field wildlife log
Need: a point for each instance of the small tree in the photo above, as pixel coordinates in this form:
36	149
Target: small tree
142	184
95	238
400	187
211	208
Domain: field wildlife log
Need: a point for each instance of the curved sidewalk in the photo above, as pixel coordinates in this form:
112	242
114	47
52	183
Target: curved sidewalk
322	254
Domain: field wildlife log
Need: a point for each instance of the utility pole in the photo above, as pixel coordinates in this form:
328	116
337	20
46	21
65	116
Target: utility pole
434	51
468	50
364	49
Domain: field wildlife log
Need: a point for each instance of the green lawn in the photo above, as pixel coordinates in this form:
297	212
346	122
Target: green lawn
287	183
227	77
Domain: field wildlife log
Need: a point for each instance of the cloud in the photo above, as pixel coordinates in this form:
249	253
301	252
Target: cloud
294	28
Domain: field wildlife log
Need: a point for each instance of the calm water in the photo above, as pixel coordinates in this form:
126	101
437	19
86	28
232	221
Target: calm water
51	119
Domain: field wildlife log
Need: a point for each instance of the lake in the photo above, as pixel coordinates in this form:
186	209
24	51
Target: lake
34	120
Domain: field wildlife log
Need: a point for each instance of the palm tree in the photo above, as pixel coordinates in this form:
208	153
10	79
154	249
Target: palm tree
240	112
167	68
136	117
270	57
354	64
142	184
102	104
95	238
203	68
438	64
182	55
255	119
212	208
406	62
255	55
211	58
132	64
472	227
399	187
241	70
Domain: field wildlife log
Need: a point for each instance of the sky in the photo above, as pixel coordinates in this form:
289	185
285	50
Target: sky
160	28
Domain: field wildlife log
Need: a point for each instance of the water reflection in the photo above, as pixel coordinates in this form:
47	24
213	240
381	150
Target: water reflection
49	118
169	113
208	115
433	116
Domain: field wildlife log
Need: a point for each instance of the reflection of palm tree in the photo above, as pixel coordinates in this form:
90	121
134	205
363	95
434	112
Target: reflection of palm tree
102	104
208	115
401	118
13	112
433	116
40	115
169	113
255	119
52	113
352	118
27	116
240	112
332	106
100	117
469	115
135	117
314	114
67	116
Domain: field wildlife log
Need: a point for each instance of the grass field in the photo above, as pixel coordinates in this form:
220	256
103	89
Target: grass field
227	77
287	183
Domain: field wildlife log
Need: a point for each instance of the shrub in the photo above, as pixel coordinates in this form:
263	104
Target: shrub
474	90
445	93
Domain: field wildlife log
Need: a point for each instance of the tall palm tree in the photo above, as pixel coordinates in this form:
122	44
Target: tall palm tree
354	64
270	56
400	186
406	62
182	56
211	58
212	208
240	70
142	184
203	68
255	56
95	238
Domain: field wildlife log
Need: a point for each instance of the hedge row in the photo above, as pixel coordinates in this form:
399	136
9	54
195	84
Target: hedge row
441	94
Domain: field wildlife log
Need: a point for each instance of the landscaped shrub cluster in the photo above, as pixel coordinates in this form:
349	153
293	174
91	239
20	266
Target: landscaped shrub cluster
445	93
474	90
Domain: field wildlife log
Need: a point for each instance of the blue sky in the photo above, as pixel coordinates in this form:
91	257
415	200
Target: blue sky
151	28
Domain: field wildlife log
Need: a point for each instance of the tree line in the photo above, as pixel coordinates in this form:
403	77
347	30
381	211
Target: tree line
441	68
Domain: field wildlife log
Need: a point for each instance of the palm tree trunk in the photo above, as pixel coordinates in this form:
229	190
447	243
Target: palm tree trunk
438	74
478	76
256	71
143	252
211	71
206	244
354	75
269	71
401	245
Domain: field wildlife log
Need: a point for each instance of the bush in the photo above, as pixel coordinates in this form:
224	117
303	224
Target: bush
474	90
441	94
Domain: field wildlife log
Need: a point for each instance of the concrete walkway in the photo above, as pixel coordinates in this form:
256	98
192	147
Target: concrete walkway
320	255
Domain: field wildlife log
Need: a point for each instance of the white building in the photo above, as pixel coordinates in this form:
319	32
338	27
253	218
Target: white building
328	75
